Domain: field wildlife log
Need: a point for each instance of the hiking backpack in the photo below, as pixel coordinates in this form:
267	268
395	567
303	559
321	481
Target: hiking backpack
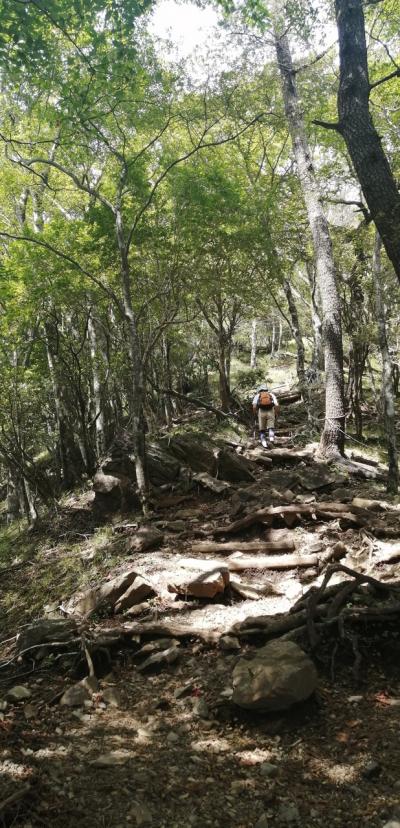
265	400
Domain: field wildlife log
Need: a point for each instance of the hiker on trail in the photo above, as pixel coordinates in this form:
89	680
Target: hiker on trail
266	408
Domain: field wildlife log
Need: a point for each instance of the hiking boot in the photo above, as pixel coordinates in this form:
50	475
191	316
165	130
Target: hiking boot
264	442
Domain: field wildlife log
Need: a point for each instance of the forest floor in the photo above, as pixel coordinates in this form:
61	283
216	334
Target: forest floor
168	748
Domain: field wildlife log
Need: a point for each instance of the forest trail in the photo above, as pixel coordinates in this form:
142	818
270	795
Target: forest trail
163	744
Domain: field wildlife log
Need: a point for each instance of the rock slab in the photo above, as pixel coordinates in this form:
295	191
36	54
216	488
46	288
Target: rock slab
203	585
278	676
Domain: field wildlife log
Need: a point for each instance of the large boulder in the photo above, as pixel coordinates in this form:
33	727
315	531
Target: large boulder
276	677
215	461
114	492
46	631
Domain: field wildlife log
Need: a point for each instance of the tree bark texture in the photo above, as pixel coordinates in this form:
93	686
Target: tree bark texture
387	374
298	337
253	344
332	439
134	349
357	128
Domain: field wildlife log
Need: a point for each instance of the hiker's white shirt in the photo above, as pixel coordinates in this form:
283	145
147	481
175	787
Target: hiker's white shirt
256	397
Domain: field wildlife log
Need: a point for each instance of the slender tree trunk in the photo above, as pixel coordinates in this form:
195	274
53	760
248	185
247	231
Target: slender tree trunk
166	355
387	374
298	338
280	332
224	389
134	349
332	439
66	448
98	413
253	343
357	128
273	336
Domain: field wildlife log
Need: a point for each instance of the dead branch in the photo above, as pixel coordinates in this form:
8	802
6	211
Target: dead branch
244	546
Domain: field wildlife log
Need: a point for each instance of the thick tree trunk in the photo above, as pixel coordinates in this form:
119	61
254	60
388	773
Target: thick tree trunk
317	360
356	125
332	439
253	344
387	374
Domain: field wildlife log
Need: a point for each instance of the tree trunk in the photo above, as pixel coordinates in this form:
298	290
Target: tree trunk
298	338
356	125
98	413
253	343
273	336
134	349
224	389
317	360
387	374
66	446
332	439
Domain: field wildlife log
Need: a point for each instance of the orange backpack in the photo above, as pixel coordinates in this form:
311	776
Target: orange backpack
265	400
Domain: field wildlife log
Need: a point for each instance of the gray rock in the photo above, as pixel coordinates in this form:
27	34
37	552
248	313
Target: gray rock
112	697
3	706
75	696
45	631
173	738
268	769
393	823
140	813
146	537
114	757
135	594
105	594
91	684
372	770
229	643
288	813
159	659
278	676
201	709
262	822
18	693
185	690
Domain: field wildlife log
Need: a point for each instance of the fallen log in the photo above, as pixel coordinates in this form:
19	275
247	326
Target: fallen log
244	546
239	562
153	629
287	455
